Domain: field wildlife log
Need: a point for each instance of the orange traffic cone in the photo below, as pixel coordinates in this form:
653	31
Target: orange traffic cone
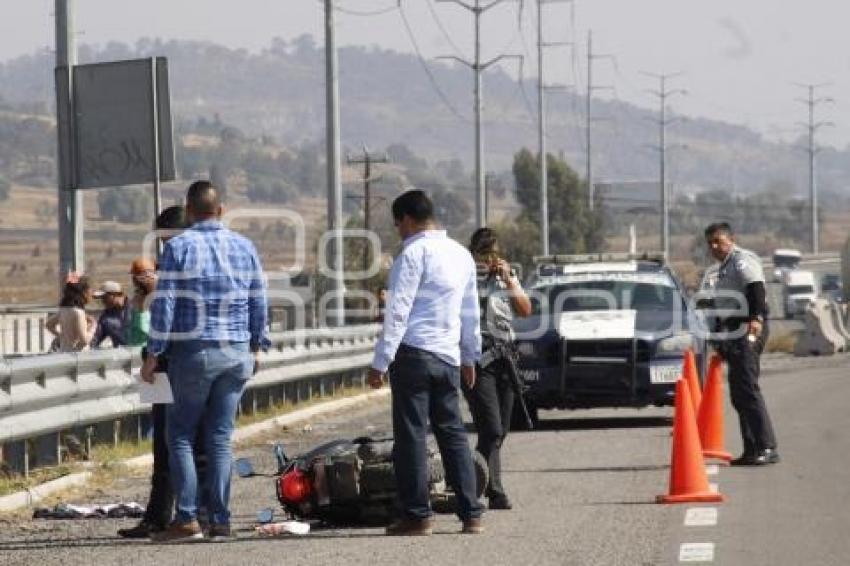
710	416
688	480
689	372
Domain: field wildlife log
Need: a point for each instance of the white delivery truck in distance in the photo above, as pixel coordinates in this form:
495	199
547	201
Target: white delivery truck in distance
785	261
799	290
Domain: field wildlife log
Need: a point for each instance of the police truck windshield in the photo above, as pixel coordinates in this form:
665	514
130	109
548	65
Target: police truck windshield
606	295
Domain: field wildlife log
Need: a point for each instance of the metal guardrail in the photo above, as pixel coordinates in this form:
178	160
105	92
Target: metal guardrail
46	394
24	333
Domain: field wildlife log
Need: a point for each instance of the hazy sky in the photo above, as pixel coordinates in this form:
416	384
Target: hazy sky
740	58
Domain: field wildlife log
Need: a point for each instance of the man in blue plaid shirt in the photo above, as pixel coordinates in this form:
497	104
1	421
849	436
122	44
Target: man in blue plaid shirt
208	317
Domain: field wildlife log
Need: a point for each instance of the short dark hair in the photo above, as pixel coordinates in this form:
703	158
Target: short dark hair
172	218
722	227
483	241
414	204
76	294
203	197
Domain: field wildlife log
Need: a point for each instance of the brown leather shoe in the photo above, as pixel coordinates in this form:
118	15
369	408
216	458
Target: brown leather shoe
220	532
410	528
473	526
179	532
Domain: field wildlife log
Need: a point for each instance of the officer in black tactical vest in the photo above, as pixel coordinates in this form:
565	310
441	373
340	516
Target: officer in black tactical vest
741	287
491	401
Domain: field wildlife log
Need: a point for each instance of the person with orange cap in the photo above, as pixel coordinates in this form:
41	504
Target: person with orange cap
143	274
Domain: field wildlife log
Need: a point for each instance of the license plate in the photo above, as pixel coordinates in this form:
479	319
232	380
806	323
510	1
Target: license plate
667	373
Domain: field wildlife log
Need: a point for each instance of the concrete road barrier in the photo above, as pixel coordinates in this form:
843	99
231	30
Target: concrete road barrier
820	336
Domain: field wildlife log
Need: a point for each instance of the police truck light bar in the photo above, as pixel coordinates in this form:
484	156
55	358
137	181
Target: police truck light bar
562	259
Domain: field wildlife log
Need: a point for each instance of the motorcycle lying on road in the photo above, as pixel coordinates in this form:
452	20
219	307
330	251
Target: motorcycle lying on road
348	482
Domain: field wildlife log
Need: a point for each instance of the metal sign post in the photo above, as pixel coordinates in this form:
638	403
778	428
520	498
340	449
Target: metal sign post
70	201
157	206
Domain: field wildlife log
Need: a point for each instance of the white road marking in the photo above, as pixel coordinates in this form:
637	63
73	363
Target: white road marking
712	469
701	517
696	552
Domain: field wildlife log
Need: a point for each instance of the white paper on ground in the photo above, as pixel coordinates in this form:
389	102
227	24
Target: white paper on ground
285	527
157	392
296	527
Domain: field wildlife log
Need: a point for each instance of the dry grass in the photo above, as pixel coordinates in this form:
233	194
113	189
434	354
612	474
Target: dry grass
107	456
105	460
280	409
11	483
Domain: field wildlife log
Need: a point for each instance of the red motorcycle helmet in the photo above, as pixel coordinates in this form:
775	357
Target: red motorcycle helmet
295	487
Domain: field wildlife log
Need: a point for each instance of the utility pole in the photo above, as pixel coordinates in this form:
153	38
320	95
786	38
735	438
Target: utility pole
812	102
336	314
663	93
478	68
70	199
541	123
367	160
591	88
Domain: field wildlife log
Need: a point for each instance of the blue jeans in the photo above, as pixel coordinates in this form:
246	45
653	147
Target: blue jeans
425	388
207	381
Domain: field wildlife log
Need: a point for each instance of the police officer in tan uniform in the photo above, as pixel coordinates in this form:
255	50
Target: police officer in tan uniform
741	287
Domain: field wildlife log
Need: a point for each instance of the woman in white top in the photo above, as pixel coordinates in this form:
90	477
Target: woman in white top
71	325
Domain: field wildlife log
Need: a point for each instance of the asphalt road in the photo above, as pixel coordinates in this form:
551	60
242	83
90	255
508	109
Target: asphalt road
583	485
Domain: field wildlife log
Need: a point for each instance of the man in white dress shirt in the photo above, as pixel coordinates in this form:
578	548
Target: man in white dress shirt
431	340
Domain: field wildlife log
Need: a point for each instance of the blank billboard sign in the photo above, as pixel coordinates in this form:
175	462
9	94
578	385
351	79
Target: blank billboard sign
119	108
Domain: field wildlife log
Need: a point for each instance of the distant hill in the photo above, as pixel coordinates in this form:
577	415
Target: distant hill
387	98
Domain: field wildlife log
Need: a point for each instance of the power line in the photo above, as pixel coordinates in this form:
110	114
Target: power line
415	44
527	55
366	13
436	86
442	28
